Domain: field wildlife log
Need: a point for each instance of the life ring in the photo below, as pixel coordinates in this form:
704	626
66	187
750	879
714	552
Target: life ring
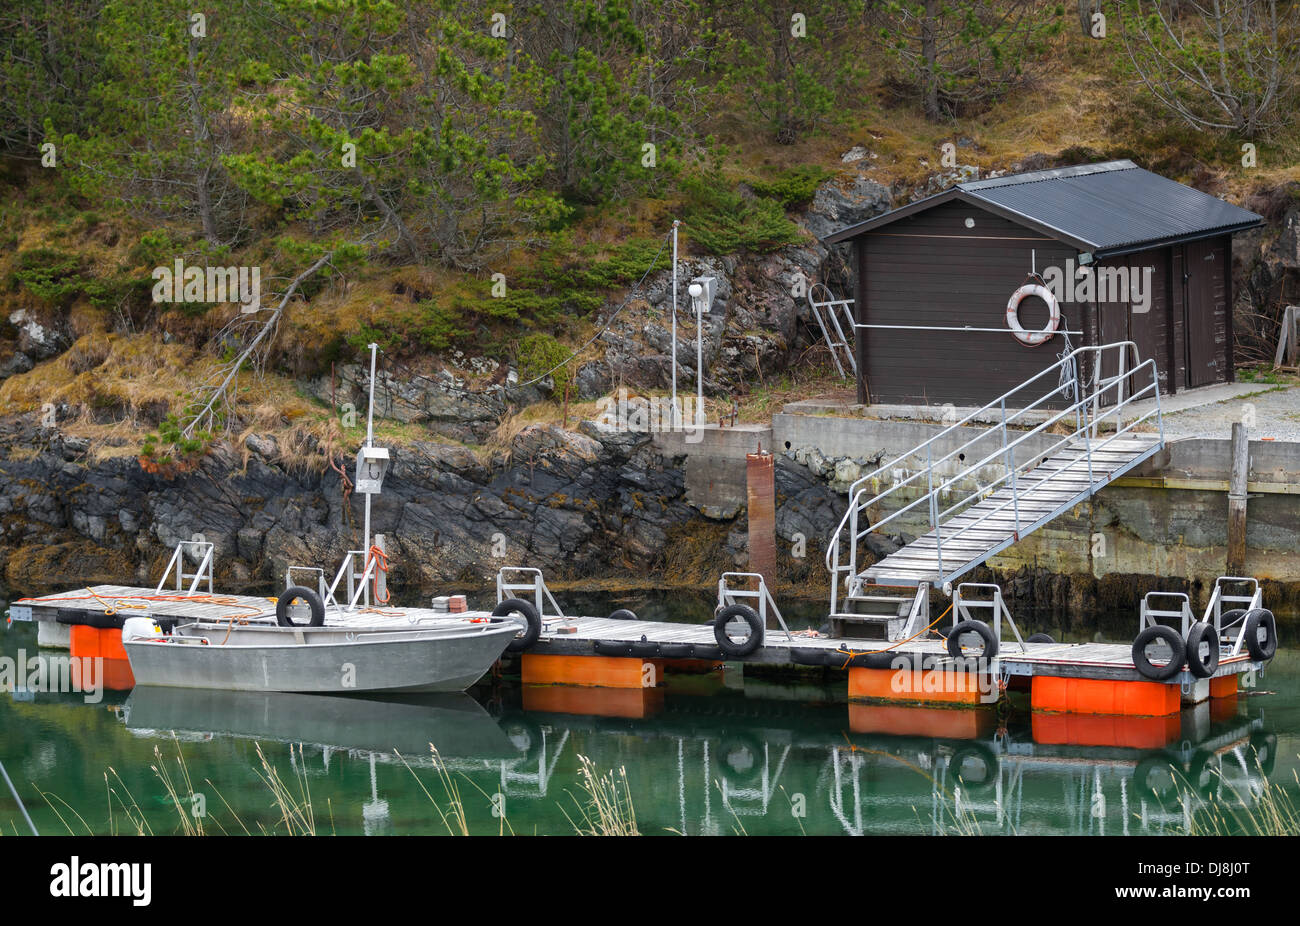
1033	338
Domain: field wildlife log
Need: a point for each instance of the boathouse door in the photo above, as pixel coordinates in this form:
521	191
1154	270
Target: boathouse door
1205	314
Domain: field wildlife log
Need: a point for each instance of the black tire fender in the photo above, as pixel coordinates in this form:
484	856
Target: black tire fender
645	649
1257	620
1040	638
528	636
99	620
622	614
1175	643
749	616
730	752
292	594
1202	635
983	630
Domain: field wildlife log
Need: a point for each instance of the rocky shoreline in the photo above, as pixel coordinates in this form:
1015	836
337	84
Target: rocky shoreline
598	505
594	503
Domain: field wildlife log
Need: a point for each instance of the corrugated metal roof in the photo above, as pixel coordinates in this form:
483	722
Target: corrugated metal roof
1104	208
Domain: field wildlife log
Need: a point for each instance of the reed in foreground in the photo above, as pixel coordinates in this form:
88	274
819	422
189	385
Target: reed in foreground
1266	810
605	808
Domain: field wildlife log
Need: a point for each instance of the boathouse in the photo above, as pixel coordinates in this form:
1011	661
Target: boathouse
1124	253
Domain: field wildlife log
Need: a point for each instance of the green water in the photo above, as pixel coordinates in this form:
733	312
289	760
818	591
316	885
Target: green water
714	754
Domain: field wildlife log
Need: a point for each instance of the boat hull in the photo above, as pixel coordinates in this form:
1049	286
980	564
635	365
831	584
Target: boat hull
321	660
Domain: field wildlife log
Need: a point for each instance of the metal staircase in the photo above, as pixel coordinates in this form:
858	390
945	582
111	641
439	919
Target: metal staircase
1056	439
834	318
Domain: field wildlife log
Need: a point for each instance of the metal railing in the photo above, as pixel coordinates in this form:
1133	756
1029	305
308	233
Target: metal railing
176	565
320	579
1085	412
834	317
962	603
536	585
1220	596
356	583
1148	615
729	596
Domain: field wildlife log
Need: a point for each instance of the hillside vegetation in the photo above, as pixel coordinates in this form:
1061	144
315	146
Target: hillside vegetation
458	179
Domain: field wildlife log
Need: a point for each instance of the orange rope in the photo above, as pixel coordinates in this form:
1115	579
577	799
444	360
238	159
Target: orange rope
381	565
852	653
120	602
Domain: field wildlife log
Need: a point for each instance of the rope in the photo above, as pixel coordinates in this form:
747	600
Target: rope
852	653
381	565
120	603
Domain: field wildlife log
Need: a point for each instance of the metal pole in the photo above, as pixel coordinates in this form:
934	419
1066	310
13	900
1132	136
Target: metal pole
370	436
21	806
699	360
674	329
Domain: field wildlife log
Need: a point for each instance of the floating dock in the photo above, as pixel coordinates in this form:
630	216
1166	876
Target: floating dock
602	652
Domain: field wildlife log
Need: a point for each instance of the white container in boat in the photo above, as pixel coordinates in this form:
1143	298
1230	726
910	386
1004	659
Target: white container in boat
139	628
442	604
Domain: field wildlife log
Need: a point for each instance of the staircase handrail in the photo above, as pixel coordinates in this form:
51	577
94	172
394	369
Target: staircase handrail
1079	408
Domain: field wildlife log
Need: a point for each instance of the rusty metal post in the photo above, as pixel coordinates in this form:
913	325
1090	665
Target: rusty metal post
760	483
1237	501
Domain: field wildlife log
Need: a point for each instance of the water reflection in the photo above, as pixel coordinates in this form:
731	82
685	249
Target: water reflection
708	754
714	764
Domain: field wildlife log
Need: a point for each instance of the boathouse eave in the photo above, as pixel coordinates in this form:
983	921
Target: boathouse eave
1122	250
1091	207
960	195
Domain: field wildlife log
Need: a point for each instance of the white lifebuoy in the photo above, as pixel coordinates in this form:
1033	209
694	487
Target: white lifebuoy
1033	338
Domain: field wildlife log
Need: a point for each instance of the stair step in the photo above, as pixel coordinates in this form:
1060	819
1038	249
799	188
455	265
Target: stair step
979	526
866	618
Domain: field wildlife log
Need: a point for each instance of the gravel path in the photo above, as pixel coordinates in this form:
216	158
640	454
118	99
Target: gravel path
1276	414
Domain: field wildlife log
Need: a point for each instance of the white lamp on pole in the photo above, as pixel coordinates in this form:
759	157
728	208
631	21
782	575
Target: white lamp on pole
701	305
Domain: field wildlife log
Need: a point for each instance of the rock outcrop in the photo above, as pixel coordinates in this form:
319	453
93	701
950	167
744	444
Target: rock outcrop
574	504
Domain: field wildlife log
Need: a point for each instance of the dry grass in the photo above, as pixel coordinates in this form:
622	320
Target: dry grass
292	802
132	373
1269	812
605	808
